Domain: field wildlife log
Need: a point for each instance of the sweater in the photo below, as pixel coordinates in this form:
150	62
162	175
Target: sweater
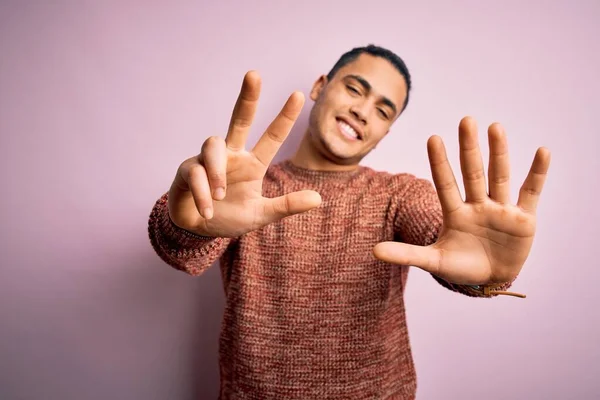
310	313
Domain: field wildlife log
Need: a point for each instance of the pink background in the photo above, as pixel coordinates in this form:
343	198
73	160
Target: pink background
99	103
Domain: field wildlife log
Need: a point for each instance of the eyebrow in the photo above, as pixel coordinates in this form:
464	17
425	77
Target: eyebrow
367	86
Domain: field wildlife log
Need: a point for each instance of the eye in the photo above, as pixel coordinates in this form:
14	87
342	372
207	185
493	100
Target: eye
352	89
382	113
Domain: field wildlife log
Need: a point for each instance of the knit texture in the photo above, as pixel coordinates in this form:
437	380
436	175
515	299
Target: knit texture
310	313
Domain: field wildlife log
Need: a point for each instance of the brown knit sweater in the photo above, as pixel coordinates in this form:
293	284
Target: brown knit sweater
310	312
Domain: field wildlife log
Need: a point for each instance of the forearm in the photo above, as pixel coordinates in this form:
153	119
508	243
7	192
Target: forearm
179	248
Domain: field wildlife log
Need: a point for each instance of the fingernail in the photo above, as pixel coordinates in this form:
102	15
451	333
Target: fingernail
219	194
208	213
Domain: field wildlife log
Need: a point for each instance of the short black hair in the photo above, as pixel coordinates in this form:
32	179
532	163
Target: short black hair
376	51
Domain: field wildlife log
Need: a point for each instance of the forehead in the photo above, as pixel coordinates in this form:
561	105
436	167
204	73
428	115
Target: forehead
384	78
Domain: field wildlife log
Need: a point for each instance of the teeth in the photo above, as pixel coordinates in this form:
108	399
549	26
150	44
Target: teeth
348	129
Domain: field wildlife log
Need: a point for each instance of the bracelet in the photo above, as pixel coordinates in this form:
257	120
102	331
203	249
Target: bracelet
488	290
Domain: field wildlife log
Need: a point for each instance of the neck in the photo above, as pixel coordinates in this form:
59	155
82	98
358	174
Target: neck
308	156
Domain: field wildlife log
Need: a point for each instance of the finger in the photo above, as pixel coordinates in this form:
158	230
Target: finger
499	166
244	111
198	183
270	142
214	159
456	268
425	257
470	161
532	186
443	177
290	204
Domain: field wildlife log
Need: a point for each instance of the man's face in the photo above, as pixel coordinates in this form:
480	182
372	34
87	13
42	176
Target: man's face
356	109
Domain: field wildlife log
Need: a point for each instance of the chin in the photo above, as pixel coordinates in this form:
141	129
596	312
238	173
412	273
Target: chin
338	156
332	147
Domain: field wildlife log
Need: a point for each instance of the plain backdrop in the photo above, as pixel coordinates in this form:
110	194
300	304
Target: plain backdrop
101	101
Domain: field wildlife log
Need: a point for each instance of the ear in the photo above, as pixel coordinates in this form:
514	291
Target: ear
318	87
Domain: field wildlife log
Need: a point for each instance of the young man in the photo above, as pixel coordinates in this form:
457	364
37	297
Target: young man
315	250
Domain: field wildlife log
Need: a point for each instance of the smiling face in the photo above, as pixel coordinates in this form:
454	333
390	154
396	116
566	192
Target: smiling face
355	109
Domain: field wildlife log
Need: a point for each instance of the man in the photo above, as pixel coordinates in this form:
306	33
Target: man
315	250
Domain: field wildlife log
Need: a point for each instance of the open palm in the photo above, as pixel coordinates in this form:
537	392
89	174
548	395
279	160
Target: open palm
484	239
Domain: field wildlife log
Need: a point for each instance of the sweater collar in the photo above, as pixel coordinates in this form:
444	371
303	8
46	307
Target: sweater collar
317	176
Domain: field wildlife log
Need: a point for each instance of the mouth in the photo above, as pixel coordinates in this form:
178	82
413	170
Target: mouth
348	129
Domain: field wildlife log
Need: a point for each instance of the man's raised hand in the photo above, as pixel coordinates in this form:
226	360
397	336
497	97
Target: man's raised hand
219	191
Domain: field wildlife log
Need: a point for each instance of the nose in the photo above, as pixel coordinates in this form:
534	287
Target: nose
359	113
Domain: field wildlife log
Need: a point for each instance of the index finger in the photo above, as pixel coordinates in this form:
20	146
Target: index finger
270	142
244	111
443	177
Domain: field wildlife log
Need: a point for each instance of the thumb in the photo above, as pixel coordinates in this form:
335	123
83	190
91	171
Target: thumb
425	257
292	203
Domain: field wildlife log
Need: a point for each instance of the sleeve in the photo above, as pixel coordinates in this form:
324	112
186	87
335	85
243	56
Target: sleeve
418	220
179	248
